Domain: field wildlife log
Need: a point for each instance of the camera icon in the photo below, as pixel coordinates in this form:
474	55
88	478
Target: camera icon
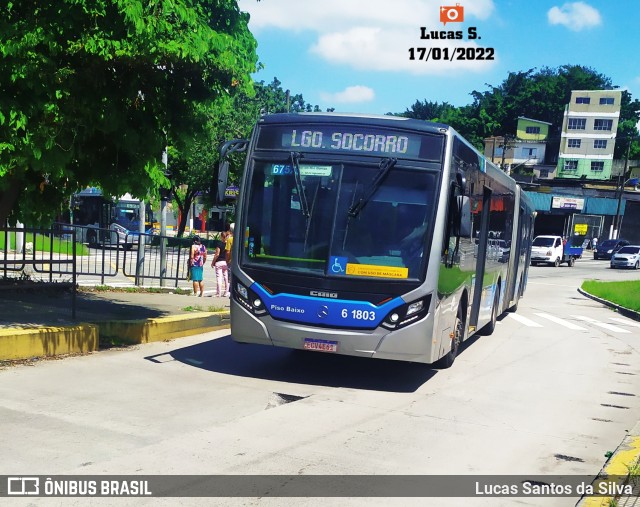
451	14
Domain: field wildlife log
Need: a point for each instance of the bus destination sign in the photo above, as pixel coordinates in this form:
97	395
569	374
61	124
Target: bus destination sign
341	140
363	141
354	140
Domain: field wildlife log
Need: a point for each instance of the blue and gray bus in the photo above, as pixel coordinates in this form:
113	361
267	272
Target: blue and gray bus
372	236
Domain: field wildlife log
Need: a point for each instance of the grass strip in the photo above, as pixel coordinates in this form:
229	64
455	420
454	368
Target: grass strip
626	294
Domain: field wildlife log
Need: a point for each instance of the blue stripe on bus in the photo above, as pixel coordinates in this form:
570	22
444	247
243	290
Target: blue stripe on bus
340	313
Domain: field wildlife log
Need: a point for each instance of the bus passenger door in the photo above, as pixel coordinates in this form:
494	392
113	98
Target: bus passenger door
481	258
514	289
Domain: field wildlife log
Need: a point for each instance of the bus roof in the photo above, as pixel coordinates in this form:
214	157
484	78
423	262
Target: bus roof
381	120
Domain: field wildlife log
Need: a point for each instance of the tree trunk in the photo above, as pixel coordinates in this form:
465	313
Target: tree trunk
8	198
184	207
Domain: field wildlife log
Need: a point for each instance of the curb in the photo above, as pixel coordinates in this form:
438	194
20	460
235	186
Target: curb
163	328
632	314
43	341
616	470
628	452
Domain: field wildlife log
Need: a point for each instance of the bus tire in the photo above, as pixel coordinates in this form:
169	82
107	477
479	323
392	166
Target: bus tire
447	360
514	308
490	327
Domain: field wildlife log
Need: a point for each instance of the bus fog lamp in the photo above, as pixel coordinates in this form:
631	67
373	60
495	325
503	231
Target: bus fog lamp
394	317
257	303
415	307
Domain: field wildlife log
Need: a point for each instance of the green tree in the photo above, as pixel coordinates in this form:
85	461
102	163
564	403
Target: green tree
194	169
628	135
91	91
272	98
426	110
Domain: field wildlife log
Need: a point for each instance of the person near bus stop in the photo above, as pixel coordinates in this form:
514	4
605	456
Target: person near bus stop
594	243
219	263
228	247
197	258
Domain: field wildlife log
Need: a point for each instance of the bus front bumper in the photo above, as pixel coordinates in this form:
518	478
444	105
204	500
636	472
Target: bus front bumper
407	344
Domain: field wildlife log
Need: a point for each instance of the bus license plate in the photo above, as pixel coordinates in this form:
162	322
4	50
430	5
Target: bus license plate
320	345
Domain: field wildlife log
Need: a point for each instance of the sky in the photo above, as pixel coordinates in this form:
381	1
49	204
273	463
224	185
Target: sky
355	55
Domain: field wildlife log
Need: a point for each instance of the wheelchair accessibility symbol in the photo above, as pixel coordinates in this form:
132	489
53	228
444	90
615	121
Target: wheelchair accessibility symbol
337	265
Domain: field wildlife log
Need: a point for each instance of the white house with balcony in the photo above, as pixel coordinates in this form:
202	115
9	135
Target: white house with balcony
526	149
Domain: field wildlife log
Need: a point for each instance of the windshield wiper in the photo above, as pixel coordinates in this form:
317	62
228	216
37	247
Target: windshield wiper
385	166
295	164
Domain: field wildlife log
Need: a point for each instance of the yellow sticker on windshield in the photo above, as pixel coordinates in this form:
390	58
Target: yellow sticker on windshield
379	271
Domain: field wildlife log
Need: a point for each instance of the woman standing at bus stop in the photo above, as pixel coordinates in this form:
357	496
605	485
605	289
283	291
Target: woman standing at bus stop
219	263
197	258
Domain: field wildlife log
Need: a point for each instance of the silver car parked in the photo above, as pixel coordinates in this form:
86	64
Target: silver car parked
627	257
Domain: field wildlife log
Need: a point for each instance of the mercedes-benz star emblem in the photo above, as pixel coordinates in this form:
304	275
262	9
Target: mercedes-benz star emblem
323	311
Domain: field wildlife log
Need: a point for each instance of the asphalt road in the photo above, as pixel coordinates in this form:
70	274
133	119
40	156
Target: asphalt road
550	392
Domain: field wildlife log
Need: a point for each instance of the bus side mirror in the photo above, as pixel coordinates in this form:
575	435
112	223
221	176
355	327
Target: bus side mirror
223	175
235	145
464	210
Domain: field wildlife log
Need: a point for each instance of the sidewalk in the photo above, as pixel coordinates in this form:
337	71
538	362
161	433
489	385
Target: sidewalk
37	322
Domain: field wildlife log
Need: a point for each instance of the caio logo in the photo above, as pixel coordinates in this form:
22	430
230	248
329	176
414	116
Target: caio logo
451	14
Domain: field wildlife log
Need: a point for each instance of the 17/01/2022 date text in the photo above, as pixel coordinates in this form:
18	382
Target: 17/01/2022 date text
451	54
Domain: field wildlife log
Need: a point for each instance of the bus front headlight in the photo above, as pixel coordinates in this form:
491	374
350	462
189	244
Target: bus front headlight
249	299
407	313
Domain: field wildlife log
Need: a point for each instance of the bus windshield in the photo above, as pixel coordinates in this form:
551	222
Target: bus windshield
301	218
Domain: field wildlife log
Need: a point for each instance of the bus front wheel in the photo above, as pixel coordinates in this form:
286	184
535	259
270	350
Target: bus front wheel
456	340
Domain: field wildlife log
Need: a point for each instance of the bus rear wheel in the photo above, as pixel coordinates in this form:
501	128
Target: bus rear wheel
491	325
456	340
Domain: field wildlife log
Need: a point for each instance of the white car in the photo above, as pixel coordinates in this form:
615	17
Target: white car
627	257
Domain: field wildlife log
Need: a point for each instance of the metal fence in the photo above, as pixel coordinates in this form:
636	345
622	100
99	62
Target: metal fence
156	257
96	252
38	249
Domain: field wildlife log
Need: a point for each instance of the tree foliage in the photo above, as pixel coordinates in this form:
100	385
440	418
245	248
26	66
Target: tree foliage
91	91
193	169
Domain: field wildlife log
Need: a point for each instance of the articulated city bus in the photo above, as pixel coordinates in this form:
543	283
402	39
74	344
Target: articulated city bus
373	236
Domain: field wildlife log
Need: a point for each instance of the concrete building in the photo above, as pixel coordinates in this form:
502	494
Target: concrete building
526	150
589	135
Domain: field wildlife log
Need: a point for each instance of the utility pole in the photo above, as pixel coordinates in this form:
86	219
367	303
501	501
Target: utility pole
141	242
163	223
618	220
